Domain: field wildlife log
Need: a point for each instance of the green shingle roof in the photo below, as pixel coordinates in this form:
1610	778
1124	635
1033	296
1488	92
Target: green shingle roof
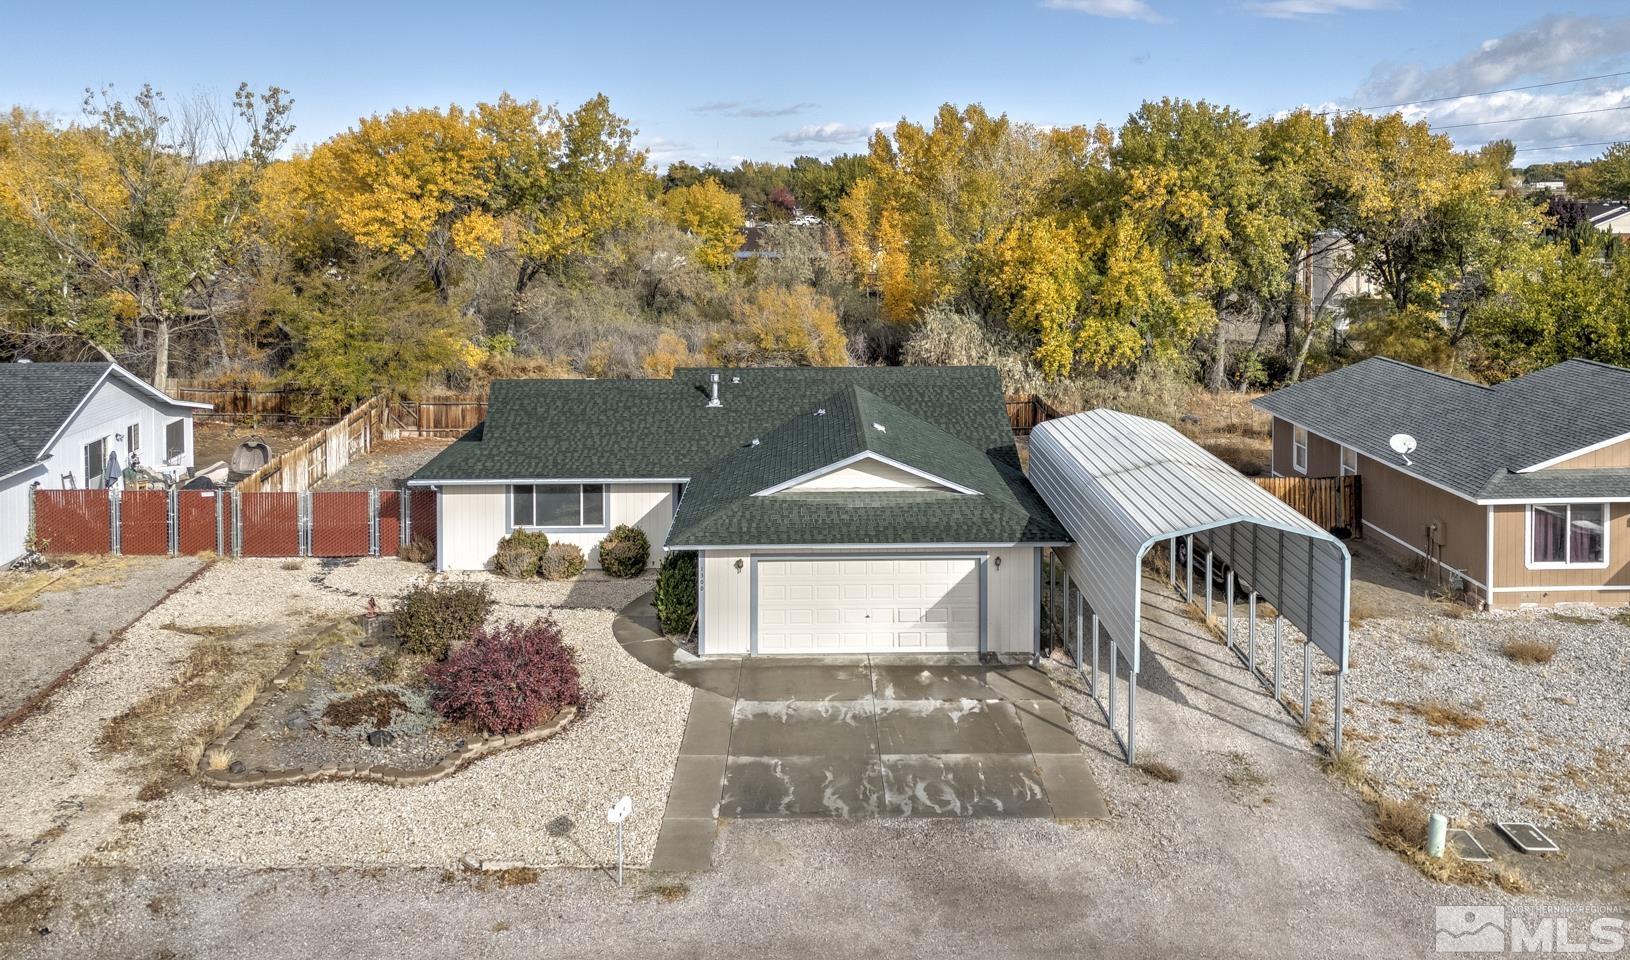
948	422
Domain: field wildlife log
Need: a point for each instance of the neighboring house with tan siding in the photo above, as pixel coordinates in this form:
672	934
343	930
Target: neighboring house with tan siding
845	511
1519	491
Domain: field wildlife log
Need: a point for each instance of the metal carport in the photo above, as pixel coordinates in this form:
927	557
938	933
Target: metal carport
1121	484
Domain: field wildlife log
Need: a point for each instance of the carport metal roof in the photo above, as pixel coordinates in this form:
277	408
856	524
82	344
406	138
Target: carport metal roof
1121	484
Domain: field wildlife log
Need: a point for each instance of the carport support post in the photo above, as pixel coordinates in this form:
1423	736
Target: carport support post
1114	670
1188	587
1340	675
1080	627
1278	654
1171	564
1095	656
1250	634
1131	716
1208	586
1228	601
1307	681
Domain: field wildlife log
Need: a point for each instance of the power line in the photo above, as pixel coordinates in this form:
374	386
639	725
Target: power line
1484	93
1568	146
1545	116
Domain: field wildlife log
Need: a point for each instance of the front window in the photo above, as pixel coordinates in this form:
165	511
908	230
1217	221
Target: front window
96	462
133	438
1567	534
558	505
175	439
1298	450
1349	461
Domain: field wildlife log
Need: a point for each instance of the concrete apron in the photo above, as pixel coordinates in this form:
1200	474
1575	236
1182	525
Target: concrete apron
858	736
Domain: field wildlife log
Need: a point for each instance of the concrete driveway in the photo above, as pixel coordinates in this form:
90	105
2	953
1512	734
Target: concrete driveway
860	737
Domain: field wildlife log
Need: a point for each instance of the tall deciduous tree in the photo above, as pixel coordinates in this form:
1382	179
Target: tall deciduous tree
712	215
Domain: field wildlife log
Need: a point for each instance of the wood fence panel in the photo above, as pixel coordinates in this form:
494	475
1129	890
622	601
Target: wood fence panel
1330	502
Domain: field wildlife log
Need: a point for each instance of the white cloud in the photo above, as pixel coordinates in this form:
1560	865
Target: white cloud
1296	9
1551	48
749	109
832	132
1114	9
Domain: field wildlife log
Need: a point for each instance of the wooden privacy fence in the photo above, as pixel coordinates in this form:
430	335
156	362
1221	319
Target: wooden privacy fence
242	403
444	416
323	453
368	523
1330	502
1026	411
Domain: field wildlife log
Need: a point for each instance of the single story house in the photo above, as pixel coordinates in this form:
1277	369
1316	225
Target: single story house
78	426
851	510
1520	490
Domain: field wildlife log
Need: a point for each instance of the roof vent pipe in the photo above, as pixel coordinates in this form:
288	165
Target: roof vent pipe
713	378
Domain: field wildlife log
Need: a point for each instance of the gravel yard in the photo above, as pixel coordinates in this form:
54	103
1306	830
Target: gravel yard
387	466
53	618
68	801
1440	713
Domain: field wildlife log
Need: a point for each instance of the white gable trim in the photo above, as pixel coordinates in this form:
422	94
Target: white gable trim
140	384
1610	441
864	455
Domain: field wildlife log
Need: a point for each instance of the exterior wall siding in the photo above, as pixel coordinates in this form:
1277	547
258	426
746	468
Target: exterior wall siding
727	601
1323	456
475	517
1519	585
1398	507
110	411
1614	455
15	493
866	475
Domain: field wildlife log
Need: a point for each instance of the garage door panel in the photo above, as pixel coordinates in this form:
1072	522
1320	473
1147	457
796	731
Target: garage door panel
873	605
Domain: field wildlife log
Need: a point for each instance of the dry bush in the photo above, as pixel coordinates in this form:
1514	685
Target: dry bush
1527	651
1444	716
1399	824
1250	456
1348	766
1438	637
1156	770
417	550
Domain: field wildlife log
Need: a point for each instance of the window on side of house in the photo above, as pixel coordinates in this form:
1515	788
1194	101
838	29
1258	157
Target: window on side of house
175	439
1298	450
558	505
96	464
133	439
1349	462
1567	535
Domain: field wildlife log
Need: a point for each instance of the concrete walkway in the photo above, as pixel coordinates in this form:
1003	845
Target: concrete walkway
859	737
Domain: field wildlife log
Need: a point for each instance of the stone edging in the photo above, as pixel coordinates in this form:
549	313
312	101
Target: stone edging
377	773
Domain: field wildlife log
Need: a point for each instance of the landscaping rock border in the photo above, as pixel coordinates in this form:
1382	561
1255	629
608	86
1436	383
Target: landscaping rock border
377	773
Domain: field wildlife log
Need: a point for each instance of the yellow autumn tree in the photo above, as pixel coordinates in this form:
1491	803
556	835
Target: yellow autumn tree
712	215
413	184
781	327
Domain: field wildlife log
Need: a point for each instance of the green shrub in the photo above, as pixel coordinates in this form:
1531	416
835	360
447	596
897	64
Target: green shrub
431	619
624	552
518	554
676	592
561	561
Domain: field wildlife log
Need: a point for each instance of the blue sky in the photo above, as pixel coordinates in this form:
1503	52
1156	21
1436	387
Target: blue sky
717	82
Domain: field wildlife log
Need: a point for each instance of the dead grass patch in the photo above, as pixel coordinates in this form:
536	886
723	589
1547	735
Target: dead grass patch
670	892
1240	772
1156	770
133	816
373	707
1444	716
23	915
1528	652
1438	637
1573	618
19	592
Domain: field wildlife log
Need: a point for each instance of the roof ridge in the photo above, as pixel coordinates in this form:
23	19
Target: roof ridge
1411	366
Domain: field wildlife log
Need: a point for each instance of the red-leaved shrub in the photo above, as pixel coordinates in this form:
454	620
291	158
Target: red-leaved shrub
508	678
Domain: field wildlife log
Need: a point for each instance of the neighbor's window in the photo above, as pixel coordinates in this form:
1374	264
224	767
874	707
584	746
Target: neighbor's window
175	439
133	438
1567	534
1298	450
96	463
1349	461
559	505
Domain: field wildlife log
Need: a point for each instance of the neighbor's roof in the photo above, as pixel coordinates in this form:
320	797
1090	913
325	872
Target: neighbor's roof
730	502
36	399
1470	438
952	424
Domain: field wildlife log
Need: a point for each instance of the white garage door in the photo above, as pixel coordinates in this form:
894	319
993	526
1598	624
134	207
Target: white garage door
878	605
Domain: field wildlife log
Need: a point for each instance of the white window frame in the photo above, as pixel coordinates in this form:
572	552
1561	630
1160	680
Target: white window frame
1349	471
181	448
133	439
1298	449
605	509
1528	539
102	463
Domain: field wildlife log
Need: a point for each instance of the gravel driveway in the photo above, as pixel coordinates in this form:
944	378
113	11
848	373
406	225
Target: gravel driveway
67	803
73	614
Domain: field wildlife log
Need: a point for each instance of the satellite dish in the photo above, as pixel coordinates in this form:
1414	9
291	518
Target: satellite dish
1403	445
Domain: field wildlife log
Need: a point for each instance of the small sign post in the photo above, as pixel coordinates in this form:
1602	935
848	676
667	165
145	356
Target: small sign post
619	812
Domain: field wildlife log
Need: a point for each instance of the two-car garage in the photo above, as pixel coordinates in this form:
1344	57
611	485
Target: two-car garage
876	604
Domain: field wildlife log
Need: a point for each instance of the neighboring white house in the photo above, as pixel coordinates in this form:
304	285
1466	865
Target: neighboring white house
78	426
854	510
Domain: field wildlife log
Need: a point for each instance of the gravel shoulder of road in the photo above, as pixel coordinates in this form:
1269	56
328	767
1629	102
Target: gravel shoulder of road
52	629
55	784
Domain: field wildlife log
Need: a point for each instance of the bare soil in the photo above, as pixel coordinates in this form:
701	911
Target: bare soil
387	466
214	441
